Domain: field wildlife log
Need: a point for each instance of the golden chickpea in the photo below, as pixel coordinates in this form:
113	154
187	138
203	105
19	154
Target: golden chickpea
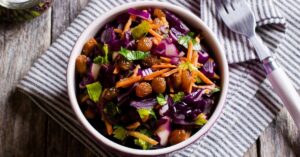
81	64
178	136
159	84
89	46
144	44
143	89
176	80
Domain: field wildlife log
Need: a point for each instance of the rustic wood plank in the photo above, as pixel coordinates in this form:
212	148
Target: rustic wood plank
22	131
281	138
59	142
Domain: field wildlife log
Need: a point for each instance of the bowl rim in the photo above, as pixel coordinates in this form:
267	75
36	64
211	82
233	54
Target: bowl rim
127	150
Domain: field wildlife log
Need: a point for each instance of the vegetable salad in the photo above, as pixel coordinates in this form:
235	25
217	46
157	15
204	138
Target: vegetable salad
146	80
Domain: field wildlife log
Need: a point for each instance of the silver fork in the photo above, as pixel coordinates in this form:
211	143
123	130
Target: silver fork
238	17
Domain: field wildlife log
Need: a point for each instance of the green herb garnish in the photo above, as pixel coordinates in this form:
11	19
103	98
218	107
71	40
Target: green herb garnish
178	97
184	41
133	55
140	30
119	133
161	100
101	59
94	90
145	112
201	119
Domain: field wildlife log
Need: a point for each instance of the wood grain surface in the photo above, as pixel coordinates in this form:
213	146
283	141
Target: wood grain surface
25	131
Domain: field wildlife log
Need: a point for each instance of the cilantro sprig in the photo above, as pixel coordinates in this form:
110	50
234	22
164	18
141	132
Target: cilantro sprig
133	55
184	41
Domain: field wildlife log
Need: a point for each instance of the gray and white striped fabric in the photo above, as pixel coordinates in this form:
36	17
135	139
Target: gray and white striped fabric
250	106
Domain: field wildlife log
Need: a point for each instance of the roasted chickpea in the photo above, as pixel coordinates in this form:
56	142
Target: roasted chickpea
124	64
186	80
143	89
178	136
144	44
81	62
150	60
111	93
89	46
159	85
176	80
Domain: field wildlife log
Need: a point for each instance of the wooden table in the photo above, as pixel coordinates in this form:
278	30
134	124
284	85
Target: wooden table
26	131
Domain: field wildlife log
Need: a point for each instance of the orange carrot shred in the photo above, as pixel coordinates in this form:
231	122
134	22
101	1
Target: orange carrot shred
155	41
152	32
170	72
155	74
116	70
136	70
195	58
204	78
133	125
168	60
118	31
155	26
190	51
108	126
128	81
127	25
142	137
162	65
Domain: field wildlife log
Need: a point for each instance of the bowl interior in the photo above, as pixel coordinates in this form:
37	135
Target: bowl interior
191	20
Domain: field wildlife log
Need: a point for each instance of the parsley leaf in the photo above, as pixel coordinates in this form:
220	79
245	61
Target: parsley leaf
178	97
101	59
184	41
201	119
94	90
145	112
119	133
161	100
133	55
140	30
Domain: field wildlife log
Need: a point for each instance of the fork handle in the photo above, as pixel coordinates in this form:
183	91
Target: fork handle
284	88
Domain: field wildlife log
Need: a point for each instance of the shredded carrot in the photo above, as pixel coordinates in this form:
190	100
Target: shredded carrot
142	137
136	70
163	65
168	60
190	51
204	86
128	81
85	98
109	128
128	24
164	20
133	125
199	65
204	78
155	41
195	58
170	72
216	76
116	70
152	32
118	30
183	59
155	74
197	39
155	26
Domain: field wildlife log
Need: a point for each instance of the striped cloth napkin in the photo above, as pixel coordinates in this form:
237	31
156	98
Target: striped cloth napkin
250	106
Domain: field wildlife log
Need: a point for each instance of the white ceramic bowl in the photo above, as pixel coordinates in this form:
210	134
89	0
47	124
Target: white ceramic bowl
191	20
